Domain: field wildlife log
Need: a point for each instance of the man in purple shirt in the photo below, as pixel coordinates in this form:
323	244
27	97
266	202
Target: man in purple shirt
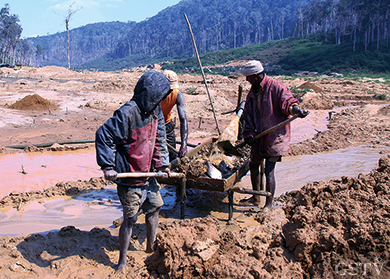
268	103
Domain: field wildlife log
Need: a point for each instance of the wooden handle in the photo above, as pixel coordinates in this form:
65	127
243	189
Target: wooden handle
239	95
281	124
243	190
149	174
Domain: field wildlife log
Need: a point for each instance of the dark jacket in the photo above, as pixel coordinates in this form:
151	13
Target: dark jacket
275	100
133	140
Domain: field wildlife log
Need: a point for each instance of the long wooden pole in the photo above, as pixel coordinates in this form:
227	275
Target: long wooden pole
201	69
149	174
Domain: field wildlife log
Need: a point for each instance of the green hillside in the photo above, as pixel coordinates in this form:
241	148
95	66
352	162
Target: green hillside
293	55
286	56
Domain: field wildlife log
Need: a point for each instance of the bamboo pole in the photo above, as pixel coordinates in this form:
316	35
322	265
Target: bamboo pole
201	69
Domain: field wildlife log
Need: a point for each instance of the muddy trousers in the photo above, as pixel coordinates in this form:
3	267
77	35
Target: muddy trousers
257	172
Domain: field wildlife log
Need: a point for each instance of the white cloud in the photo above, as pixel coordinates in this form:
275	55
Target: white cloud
75	4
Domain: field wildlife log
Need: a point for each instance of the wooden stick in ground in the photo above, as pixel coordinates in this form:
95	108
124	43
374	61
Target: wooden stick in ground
201	69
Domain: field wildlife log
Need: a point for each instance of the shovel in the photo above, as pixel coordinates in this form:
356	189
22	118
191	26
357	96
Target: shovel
228	148
230	131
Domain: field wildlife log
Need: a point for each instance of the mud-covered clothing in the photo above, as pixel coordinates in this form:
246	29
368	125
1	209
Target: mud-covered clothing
146	198
168	104
134	140
263	110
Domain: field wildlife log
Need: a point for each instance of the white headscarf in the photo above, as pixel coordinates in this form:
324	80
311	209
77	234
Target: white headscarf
252	67
172	78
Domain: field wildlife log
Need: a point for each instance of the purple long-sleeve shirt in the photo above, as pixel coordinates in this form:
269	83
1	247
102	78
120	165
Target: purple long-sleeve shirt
263	110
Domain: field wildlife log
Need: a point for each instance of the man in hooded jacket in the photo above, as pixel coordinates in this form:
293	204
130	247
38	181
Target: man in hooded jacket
134	140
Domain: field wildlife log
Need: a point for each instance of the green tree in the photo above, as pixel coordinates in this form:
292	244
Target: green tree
10	31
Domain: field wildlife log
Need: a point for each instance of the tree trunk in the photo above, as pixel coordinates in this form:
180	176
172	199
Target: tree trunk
67	43
377	43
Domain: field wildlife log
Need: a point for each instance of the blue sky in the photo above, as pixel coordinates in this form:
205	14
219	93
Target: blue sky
43	17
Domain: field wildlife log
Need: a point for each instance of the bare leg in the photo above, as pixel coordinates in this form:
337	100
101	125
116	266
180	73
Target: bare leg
125	232
270	182
151	221
256	184
262	175
255	180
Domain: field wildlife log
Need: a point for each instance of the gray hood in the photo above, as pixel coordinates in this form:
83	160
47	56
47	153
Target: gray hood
150	90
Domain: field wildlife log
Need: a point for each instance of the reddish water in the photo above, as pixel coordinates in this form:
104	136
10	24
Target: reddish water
44	170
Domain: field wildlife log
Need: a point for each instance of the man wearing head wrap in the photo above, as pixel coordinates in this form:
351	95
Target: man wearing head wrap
175	98
268	103
133	140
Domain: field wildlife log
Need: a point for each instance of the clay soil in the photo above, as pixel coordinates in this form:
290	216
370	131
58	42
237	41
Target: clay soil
331	229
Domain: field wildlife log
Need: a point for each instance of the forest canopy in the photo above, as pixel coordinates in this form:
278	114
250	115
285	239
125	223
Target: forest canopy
12	48
217	24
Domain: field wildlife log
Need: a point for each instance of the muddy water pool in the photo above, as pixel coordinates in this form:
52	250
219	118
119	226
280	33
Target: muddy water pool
43	170
101	208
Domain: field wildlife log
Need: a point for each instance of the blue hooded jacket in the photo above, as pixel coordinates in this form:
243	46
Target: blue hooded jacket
133	139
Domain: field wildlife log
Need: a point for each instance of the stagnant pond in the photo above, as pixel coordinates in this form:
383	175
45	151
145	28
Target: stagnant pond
100	208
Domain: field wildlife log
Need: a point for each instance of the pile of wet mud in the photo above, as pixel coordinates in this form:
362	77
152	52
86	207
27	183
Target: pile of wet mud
201	248
210	158
342	227
33	102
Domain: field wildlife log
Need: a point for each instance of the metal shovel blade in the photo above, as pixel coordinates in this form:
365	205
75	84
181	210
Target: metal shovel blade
212	171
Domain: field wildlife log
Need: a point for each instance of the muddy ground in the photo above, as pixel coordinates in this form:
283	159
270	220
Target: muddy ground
331	229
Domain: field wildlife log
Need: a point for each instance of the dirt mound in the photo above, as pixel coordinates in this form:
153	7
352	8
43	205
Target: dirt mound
316	101
312	86
342	227
51	70
315	98
33	102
